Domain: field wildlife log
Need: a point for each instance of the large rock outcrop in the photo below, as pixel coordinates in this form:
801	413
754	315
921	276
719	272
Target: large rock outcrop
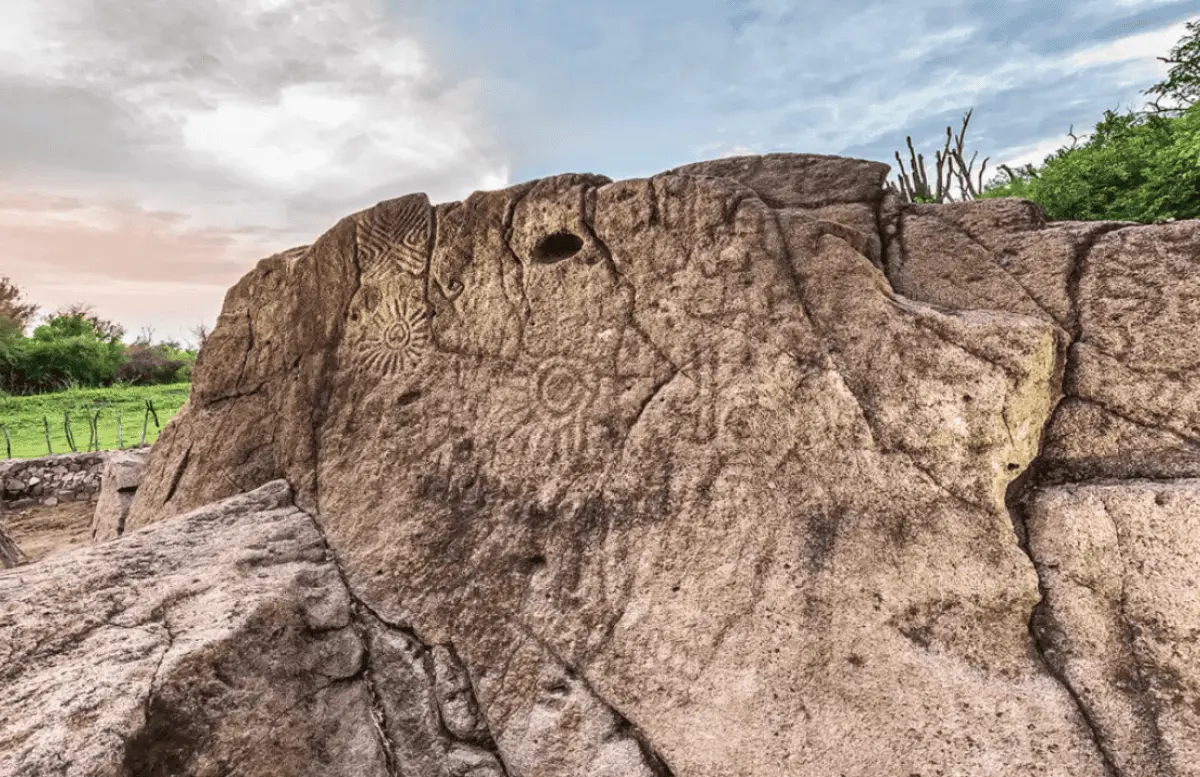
744	469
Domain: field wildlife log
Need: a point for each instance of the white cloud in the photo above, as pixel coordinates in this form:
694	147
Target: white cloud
295	108
1140	50
1034	153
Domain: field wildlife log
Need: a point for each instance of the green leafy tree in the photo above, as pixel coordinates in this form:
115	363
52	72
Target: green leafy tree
68	349
13	305
1134	166
109	331
1182	85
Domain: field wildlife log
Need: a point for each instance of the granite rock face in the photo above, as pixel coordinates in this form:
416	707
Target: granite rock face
744	469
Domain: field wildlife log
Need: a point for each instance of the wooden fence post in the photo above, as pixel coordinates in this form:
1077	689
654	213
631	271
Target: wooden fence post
67	427
46	425
96	431
7	441
146	420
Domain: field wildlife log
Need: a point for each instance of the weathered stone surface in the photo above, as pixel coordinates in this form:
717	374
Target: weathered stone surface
221	642
184	648
684	484
119	482
1127	294
1121	567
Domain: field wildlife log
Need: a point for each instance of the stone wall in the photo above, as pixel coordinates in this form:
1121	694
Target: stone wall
52	480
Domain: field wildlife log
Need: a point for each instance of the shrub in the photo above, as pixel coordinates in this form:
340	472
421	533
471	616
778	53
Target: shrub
1132	168
147	364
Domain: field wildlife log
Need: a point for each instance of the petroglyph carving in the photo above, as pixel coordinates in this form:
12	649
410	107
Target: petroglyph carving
395	234
560	391
703	405
564	396
392	339
552	423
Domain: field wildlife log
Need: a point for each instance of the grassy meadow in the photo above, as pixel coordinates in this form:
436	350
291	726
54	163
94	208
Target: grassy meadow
22	417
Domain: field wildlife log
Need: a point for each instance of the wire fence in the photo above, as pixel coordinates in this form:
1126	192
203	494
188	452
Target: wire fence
88	430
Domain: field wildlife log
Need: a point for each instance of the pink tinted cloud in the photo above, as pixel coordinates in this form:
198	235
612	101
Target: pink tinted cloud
138	267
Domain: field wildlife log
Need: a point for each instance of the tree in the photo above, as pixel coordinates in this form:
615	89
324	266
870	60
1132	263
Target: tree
1134	166
1182	86
201	333
13	306
108	331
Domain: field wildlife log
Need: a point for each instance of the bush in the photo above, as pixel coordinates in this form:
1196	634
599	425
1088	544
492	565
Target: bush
64	351
52	364
1133	168
147	364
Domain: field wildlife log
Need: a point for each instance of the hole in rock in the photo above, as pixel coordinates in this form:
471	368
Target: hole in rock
409	398
557	247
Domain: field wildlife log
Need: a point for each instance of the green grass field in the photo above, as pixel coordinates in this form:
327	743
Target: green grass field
22	417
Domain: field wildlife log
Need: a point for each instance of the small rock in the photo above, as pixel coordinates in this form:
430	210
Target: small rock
50	501
14	486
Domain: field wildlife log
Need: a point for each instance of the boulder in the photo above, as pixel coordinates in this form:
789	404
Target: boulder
119	482
745	469
1127	294
224	639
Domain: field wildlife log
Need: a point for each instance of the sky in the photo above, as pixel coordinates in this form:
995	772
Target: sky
151	151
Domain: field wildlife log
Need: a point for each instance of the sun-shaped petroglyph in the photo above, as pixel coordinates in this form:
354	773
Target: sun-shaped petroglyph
395	235
552	423
560	390
394	339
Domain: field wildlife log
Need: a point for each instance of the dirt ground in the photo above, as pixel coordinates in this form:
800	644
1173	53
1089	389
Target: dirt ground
40	531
